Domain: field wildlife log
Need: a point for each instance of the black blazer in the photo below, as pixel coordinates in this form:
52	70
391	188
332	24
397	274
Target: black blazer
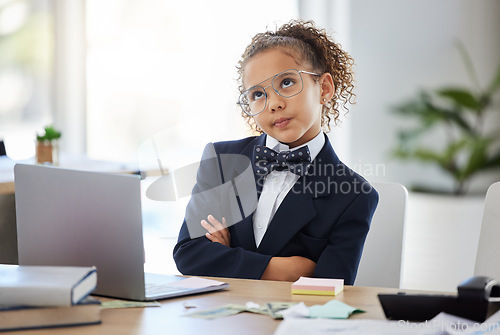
325	217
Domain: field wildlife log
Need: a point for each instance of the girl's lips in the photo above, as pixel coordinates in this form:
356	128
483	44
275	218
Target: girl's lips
280	123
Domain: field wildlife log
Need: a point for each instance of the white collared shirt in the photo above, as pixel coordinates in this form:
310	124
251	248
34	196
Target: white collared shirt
278	184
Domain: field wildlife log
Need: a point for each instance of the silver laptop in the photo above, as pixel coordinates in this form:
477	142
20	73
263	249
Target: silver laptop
81	218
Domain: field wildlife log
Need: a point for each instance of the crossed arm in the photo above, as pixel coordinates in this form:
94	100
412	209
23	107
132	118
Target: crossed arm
278	268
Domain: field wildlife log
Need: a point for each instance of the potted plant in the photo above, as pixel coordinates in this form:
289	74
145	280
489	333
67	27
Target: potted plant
462	114
47	147
439	222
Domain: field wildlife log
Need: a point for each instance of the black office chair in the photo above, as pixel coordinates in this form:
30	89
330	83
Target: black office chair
2	149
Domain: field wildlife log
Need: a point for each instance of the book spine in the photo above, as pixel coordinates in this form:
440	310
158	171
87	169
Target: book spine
35	296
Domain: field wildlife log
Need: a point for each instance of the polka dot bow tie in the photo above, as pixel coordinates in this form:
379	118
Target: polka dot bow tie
266	160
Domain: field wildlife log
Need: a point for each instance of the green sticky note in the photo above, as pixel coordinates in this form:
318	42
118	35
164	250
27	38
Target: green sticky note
333	309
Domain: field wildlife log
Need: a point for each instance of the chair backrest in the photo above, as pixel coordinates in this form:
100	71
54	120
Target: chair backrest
2	149
488	251
381	262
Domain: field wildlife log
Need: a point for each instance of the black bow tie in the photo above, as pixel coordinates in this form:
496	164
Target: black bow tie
266	160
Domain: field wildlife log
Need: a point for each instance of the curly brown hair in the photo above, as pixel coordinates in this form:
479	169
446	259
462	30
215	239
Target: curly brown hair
312	46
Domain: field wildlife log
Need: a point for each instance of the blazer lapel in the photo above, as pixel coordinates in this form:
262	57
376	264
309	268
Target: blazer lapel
259	180
244	228
244	233
297	209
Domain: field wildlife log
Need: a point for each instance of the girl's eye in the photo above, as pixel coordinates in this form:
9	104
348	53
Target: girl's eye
256	95
287	82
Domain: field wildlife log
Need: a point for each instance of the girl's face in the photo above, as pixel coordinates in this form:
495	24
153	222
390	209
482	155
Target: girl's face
296	120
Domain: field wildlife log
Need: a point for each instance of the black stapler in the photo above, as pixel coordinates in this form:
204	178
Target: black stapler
478	298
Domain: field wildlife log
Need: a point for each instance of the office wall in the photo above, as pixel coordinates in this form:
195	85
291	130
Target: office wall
400	47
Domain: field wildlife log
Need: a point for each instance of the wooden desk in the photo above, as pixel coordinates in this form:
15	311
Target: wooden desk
7	187
170	319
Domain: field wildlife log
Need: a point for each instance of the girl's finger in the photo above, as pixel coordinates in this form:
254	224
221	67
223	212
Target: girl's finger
211	237
215	235
215	223
208	227
217	231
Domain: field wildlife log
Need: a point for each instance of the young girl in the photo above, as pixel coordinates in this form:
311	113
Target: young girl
313	212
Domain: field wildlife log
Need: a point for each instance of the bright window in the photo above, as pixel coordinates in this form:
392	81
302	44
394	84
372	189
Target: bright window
26	67
156	66
161	83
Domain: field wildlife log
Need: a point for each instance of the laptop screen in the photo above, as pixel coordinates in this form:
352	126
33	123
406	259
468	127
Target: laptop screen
81	218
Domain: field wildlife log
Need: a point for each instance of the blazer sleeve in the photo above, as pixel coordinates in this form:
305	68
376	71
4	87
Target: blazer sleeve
201	257
341	256
194	254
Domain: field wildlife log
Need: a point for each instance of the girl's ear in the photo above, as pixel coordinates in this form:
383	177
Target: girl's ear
327	86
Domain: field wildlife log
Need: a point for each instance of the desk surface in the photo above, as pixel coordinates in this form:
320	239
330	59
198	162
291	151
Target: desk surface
7	187
77	162
170	319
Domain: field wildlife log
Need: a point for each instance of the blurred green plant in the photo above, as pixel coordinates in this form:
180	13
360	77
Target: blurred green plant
31	46
50	134
468	148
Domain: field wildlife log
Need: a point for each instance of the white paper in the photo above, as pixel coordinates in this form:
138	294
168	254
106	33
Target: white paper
490	327
196	283
299	310
442	324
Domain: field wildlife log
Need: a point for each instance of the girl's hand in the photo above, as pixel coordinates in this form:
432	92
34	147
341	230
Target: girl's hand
216	231
288	268
302	267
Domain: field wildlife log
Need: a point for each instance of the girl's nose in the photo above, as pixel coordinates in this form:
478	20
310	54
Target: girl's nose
275	101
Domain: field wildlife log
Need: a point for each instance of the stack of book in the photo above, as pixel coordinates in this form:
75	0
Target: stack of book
47	296
318	286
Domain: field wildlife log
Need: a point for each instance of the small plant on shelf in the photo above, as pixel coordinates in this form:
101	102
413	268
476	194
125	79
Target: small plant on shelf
47	148
50	134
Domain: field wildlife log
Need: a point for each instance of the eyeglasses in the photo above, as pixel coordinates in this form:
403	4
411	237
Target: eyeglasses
287	84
